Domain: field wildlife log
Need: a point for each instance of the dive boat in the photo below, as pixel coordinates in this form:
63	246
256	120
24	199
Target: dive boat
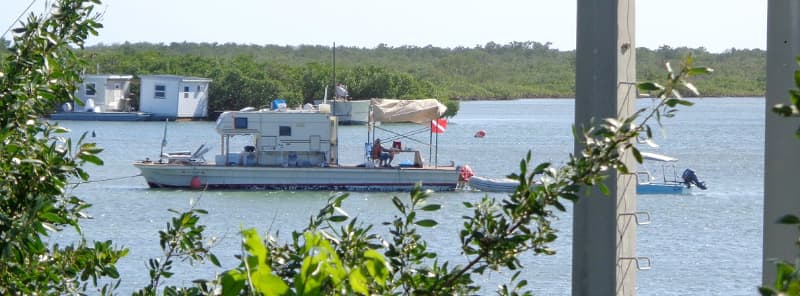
669	183
289	150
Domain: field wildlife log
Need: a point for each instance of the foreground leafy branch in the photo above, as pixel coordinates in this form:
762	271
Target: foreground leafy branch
792	109
37	162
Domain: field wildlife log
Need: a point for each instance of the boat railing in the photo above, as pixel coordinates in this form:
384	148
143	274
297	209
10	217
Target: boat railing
644	177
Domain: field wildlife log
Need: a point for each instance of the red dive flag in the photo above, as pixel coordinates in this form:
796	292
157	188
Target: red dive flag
439	125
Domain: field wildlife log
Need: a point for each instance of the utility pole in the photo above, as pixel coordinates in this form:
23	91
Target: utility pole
604	260
781	160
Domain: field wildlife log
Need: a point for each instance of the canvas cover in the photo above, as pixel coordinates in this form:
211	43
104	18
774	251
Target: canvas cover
417	111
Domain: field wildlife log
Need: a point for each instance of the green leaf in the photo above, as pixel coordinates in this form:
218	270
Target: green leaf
426	223
789	219
767	291
254	245
603	188
431	207
90	158
214	260
649	86
376	266
358	282
797	78
338	218
398	204
267	283
637	155
233	282
685	103
699	71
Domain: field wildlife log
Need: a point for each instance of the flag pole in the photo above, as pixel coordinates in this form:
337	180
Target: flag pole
437	150
430	147
163	141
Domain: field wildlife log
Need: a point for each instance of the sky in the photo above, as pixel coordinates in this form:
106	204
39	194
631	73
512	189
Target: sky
717	25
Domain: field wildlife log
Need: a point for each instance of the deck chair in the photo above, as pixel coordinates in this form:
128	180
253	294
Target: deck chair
368	160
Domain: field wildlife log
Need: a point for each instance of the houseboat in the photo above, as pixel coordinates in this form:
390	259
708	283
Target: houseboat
290	150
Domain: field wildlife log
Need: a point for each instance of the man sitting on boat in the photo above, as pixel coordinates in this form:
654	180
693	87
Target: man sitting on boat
384	155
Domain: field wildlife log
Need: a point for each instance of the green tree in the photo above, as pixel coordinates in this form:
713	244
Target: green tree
37	163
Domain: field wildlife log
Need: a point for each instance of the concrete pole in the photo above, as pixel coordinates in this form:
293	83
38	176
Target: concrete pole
604	236
781	148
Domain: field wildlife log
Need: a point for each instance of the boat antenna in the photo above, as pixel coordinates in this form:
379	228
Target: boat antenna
334	66
163	141
333	108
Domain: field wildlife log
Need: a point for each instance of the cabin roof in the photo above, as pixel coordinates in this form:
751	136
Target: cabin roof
108	76
175	77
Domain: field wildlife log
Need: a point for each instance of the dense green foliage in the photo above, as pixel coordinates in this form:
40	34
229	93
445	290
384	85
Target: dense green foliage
37	164
252	74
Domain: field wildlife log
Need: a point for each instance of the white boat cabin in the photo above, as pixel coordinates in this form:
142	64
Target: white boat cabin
102	92
172	96
291	138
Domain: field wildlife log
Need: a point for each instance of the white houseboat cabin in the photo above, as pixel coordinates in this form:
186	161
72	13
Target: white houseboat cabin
102	92
172	96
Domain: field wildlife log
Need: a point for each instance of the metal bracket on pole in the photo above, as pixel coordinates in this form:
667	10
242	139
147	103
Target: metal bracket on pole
640	261
641	218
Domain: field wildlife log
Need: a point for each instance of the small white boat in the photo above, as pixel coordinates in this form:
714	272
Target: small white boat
670	182
492	185
290	150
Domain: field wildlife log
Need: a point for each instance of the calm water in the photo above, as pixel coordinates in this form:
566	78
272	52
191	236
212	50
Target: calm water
705	243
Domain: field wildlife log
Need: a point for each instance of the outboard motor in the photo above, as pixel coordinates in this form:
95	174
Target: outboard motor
690	178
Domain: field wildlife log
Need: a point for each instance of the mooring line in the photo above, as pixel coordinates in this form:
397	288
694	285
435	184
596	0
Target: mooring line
105	180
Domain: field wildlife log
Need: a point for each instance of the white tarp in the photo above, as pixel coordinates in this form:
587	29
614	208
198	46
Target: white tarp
417	111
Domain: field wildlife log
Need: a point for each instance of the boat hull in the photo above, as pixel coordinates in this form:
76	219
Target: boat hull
493	185
102	116
507	185
351	178
654	188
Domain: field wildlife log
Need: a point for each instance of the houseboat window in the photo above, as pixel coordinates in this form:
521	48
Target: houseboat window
285	131
90	89
161	92
240	122
199	88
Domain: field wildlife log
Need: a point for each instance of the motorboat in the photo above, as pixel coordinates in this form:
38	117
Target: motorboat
290	150
669	182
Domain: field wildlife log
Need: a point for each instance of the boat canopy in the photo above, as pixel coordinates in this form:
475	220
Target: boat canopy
417	111
658	157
